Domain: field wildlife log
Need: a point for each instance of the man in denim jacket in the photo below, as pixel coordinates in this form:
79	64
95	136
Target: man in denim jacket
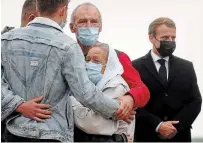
40	60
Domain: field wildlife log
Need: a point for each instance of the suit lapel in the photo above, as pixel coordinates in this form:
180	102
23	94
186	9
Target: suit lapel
173	68
150	66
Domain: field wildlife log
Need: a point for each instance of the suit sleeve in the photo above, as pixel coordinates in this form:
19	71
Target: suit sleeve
138	89
143	114
189	113
150	118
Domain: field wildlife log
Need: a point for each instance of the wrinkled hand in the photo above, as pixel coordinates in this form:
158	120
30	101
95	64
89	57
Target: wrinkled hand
167	130
126	108
130	139
33	110
130	117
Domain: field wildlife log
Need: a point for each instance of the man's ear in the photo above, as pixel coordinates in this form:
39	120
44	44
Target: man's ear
63	11
72	28
31	17
151	38
100	28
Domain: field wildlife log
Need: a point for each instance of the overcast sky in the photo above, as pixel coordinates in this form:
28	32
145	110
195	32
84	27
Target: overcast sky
125	25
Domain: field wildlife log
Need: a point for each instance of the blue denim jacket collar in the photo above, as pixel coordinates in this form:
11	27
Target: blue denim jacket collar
45	21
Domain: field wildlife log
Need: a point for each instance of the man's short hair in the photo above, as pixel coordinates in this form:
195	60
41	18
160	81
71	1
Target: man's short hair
49	7
85	4
29	7
160	21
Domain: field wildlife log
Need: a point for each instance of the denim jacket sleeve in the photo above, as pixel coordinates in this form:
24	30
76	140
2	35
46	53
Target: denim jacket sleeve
9	101
82	88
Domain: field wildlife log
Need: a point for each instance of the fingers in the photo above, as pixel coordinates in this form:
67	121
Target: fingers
45	112
121	111
131	117
43	106
130	140
123	115
42	116
38	99
126	105
174	130
124	111
133	113
174	122
38	119
171	135
128	121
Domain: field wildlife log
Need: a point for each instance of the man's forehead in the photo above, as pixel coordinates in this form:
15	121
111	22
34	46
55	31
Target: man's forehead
85	11
97	50
163	29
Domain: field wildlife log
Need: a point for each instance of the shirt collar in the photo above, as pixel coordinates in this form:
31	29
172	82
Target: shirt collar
46	21
156	57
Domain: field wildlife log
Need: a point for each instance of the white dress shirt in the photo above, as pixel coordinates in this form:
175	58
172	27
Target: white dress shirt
155	58
157	64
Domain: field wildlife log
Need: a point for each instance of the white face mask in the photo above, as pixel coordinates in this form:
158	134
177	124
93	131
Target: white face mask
88	36
94	72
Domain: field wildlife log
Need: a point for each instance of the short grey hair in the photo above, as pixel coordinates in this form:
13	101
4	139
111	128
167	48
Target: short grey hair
84	4
104	47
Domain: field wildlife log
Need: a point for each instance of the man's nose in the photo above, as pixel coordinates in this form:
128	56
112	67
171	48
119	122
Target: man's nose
88	24
170	39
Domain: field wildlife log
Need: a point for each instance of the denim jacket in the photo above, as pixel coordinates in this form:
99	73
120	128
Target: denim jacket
41	60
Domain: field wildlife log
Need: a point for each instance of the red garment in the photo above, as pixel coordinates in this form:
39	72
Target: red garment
138	89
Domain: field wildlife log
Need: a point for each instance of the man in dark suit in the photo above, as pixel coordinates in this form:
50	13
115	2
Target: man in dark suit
175	97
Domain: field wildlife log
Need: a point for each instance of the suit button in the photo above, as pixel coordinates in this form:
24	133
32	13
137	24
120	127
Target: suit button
166	94
165	118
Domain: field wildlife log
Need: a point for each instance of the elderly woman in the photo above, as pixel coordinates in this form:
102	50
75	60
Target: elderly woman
104	70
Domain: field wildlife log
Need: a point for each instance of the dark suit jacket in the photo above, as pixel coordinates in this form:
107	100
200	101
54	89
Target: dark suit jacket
178	99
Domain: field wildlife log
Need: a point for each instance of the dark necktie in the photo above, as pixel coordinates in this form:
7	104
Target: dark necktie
162	70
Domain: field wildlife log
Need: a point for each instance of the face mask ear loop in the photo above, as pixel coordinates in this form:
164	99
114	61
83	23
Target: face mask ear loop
156	39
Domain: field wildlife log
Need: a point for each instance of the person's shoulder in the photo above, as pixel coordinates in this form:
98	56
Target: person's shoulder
10	33
118	52
182	61
67	40
6	29
138	60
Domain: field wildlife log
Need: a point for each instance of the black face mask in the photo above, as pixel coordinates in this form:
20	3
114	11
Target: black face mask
166	48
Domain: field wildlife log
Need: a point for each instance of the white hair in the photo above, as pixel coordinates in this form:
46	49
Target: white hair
84	4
